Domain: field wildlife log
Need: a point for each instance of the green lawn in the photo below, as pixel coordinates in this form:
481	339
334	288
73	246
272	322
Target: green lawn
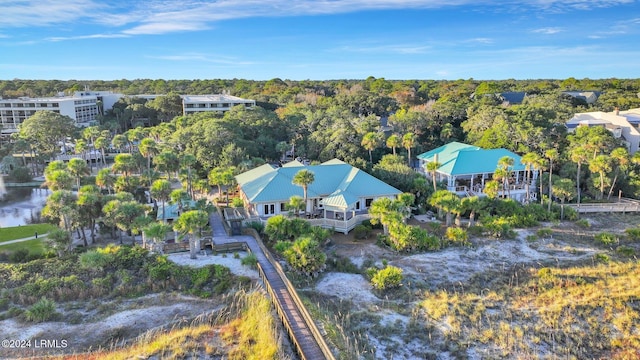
34	246
19	232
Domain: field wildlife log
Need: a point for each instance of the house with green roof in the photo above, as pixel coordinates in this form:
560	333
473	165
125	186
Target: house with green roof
466	168
339	197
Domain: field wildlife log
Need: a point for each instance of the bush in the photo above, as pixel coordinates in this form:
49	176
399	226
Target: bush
367	223
95	260
18	256
237	202
361	232
457	236
603	258
21	174
544	233
257	226
43	310
633	233
625	250
606	238
583	223
387	278
250	260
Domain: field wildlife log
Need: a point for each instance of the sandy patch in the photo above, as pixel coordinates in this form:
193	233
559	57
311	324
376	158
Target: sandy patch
353	287
227	260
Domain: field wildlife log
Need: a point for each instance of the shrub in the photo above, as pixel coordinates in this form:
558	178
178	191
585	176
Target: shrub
625	250
21	174
257	226
583	223
475	230
457	236
606	238
305	255
361	232
633	233
237	202
18	256
95	260
544	233
368	224
43	310
603	258
387	278
250	260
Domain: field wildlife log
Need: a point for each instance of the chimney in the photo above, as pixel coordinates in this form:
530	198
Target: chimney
616	111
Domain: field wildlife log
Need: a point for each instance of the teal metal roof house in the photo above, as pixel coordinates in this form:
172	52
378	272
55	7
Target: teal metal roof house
340	191
466	168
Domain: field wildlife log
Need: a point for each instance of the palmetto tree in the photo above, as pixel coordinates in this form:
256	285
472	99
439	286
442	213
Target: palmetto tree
304	178
432	167
563	189
370	142
161	190
189	223
156	232
105	179
445	201
187	161
579	155
529	160
601	164
505	163
78	168
148	148
124	164
119	142
552	155
620	158
393	142
384	211
408	142
101	143
296	204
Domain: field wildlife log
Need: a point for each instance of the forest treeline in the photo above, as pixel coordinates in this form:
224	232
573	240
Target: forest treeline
361	121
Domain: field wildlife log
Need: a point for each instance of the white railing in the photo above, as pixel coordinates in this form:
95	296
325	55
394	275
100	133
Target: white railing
340	225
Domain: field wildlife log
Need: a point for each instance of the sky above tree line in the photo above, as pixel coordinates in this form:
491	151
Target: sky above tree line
319	39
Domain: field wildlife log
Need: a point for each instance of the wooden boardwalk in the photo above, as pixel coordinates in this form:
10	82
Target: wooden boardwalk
624	205
302	330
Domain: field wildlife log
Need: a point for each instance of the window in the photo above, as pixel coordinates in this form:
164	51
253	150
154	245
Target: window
283	207
269	209
358	205
367	202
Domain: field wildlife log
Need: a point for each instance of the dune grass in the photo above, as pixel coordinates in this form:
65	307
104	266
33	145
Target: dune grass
19	232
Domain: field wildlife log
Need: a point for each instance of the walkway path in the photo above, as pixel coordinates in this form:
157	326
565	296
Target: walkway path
293	315
23	239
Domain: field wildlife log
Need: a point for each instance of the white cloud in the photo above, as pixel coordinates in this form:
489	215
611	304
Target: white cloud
82	37
548	30
198	57
163	16
395	49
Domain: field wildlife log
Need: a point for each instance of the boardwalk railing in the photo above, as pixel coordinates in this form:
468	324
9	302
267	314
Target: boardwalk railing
624	205
326	352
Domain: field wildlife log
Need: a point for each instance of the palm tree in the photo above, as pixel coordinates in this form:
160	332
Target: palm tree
101	143
370	143
119	142
161	190
296	204
105	179
191	222
601	164
528	160
384	211
187	161
408	142
551	154
432	167
445	201
124	163
620	157
473	205
579	155
563	189
506	164
393	142
304	178
148	148
78	168
156	232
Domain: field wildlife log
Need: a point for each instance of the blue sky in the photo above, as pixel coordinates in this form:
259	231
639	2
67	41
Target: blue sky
318	40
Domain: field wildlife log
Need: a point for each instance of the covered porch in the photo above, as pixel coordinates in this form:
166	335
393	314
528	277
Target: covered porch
475	185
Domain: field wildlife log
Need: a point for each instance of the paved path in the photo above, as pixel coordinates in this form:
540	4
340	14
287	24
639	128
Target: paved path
283	299
23	239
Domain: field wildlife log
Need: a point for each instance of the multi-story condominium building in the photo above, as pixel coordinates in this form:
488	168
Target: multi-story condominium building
624	125
82	107
218	103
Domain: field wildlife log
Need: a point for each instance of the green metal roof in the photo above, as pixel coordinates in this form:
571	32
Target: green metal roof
331	178
462	159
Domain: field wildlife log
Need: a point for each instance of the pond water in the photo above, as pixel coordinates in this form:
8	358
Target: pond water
20	206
